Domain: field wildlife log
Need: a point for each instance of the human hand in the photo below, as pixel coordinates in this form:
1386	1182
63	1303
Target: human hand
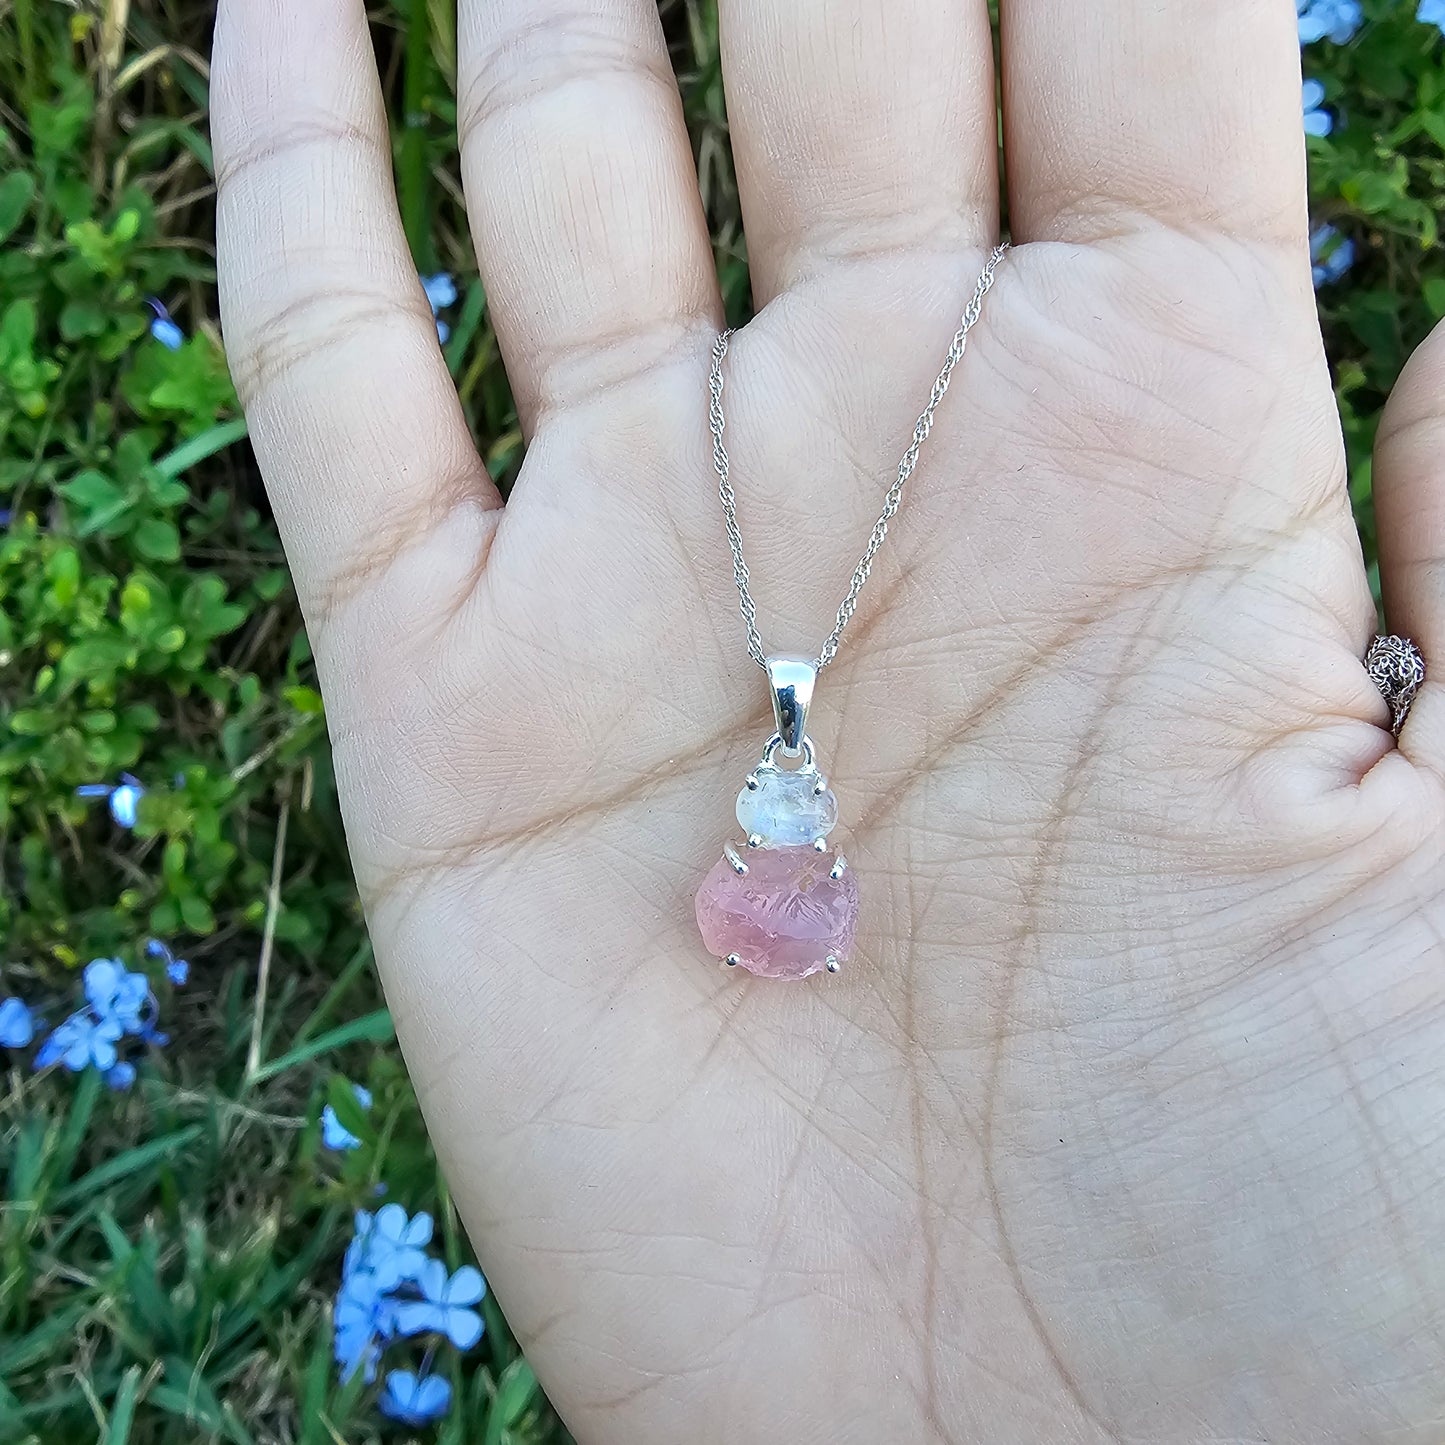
1123	1123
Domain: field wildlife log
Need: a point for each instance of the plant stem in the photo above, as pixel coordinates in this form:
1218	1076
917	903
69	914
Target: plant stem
411	159
268	943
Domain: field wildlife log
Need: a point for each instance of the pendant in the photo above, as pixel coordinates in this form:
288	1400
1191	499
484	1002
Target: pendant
783	905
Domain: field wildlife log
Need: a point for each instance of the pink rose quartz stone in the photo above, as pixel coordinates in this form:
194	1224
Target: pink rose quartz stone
784	916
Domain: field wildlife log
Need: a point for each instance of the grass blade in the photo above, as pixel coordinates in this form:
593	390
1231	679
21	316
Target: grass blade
372	1028
122	1416
206	444
126	1163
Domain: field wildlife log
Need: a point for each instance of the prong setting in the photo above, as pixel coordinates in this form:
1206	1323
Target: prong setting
733	959
820	845
831	963
735	860
755	840
752	783
839	868
820	787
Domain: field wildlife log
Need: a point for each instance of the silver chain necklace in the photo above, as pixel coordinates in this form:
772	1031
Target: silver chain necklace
778	907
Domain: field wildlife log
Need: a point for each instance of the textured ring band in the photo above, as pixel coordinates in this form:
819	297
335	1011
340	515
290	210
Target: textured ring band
1397	669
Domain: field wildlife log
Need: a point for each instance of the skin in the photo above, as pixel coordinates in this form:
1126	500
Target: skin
1124	1123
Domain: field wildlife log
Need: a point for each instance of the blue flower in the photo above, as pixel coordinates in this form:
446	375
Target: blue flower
415	1400
1336	20
442	1308
115	993
17	1024
335	1134
1432	12
394	1245
441	292
124	796
163	328
1318	121
79	1041
1331	255
177	969
363	1320
120	1076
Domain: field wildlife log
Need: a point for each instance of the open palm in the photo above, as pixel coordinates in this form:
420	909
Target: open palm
1124	1122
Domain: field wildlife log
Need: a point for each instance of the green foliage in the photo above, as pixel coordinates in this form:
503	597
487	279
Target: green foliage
167	1256
1380	178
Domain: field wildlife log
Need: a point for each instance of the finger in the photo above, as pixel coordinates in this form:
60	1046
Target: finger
1172	111
354	419
859	129
582	195
1409	488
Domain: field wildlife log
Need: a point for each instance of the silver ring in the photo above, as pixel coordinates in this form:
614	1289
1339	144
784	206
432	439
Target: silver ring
805	747
1397	668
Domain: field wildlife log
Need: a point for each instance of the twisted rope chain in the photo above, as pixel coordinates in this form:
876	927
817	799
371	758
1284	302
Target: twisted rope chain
891	502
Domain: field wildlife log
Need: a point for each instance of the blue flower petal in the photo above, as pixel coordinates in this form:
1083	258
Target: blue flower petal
1337	20
466	1286
419	1317
17	1024
441	291
168	333
463	1328
120	1076
335	1134
123	803
79	1041
415	1401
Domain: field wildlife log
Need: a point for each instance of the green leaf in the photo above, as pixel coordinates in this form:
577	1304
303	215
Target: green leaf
196	914
17	331
158	540
33	723
123	1415
38	1344
313	1402
82	318
77	1122
126	1163
97	659
372	1028
199	447
515	1393
186	1394
100	501
349	1113
17	191
1434	293
305	700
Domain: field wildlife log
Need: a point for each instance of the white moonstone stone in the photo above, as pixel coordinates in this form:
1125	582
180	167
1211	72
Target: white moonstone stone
785	811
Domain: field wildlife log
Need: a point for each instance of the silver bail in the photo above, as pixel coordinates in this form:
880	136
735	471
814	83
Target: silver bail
791	681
